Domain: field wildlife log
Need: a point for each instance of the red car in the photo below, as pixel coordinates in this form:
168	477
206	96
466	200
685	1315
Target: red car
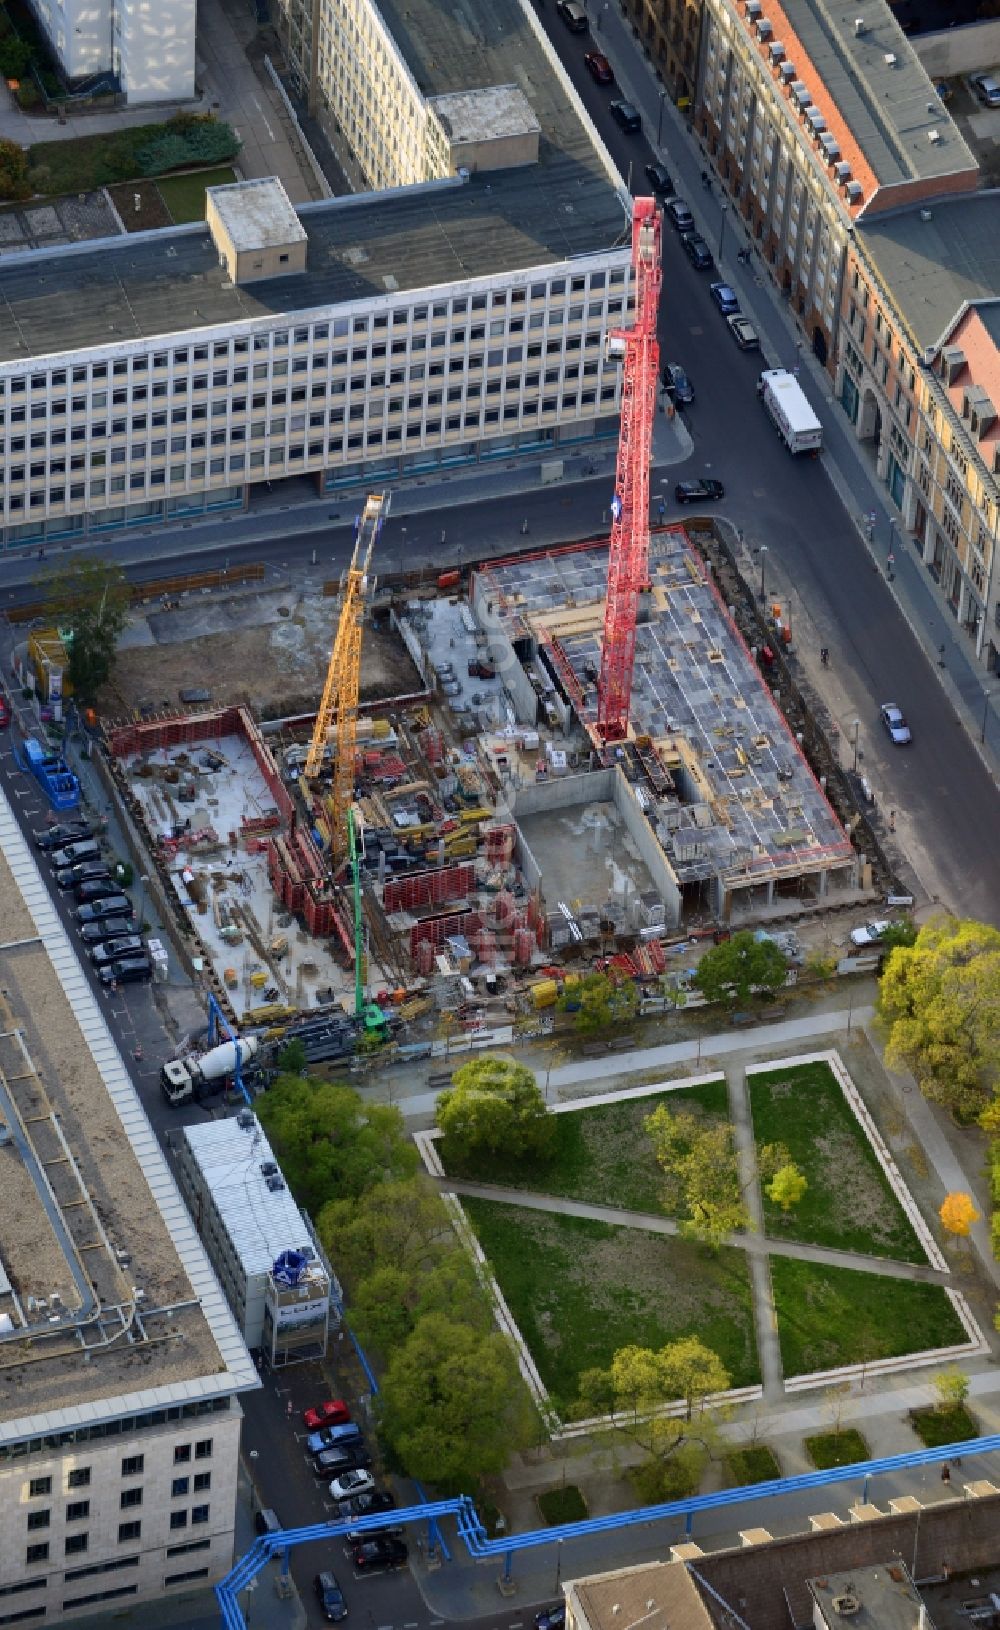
4	712
334	1412
599	67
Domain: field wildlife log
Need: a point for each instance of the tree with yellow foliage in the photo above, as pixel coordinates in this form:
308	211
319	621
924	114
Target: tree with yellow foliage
939	1000
958	1213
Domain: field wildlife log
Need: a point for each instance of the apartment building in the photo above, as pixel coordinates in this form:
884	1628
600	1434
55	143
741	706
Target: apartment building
120	1363
265	1253
669	31
163	375
818	117
919	377
148	47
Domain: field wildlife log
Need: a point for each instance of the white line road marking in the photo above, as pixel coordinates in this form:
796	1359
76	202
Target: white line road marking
270	133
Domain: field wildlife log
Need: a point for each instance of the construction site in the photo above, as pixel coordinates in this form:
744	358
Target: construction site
583	760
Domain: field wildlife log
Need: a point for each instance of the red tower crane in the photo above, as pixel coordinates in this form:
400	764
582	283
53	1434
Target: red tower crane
628	561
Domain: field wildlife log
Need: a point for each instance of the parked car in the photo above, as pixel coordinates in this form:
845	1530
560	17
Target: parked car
346	1457
551	1618
599	68
74	853
112	928
351	1483
744	333
4	712
103	906
899	730
368	1505
89	871
624	114
660	181
869	933
679	216
677	384
697	251
379	1552
129	970
357	1536
331	1598
128	945
573	16
698	492
97	888
333	1437
333	1412
57	837
987	89
724	297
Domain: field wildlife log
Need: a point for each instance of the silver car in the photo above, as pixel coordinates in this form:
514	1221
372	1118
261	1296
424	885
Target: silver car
987	89
899	730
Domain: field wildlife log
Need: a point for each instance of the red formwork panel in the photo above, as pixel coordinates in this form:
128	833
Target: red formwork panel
430	888
435	930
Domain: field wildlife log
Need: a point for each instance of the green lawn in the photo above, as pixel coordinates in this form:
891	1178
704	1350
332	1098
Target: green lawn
848	1203
843	1448
184	195
833	1316
602	1155
580	1290
88	162
936	1427
756	1465
562	1505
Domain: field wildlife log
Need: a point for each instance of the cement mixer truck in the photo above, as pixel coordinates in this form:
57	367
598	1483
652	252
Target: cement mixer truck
196	1076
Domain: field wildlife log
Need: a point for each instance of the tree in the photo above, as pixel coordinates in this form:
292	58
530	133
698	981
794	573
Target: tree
88	600
454	1406
329	1143
958	1213
702	1161
494	1105
952	1388
599	1002
733	971
940	1002
634	1391
400	1224
292	1059
787	1187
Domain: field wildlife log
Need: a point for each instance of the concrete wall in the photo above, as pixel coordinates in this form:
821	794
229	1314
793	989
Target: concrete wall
562	791
960	50
645	840
513	676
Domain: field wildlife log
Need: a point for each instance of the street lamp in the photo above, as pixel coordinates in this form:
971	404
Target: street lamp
144	879
402	551
659	122
855	727
722	225
987	699
763	559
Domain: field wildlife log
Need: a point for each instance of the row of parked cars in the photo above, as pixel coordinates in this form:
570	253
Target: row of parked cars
103	910
337	1450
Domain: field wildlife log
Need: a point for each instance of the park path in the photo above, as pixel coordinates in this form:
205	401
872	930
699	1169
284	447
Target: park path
755	1245
765	1316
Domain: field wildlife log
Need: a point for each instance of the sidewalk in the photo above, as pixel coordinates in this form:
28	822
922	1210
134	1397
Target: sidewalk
785	345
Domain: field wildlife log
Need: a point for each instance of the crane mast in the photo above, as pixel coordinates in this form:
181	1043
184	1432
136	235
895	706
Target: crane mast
628	560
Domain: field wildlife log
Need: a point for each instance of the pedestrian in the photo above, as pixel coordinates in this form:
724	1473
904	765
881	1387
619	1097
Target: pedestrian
890	563
824	655
892	820
137	1052
946	1473
524	527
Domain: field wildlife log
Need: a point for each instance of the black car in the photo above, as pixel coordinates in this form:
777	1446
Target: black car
624	114
698	492
126	971
551	1618
347	1458
697	251
75	853
680	216
89	871
659	180
98	910
128	946
677	384
112	928
357	1536
367	1505
331	1597
98	888
378	1552
55	837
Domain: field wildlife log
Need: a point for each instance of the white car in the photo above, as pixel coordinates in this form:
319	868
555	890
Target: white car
349	1484
899	730
869	934
987	89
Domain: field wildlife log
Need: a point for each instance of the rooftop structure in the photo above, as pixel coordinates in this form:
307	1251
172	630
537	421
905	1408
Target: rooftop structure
936	261
659	1597
722	783
255	230
883	1598
263	1248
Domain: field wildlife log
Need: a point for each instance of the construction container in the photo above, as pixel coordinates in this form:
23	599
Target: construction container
524	947
425	958
258	980
544	993
485	944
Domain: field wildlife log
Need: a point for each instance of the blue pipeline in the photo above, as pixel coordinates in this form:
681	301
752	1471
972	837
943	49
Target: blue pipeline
473	1535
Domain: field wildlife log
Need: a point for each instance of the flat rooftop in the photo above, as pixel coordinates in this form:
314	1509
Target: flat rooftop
748	802
109	1302
257	214
108	292
935	267
483	115
889	107
880	1599
261	1222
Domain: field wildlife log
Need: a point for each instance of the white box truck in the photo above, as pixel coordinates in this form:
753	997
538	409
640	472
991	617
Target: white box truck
788	405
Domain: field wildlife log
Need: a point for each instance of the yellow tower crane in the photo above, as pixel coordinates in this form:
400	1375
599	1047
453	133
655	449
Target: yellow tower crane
338	708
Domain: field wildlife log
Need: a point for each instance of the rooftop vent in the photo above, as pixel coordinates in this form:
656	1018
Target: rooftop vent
764	29
787	71
246	1120
830	146
890	59
860	26
801	94
776	51
816	119
842	171
855	192
275	1184
952	362
846	1605
754	8
934	135
268	1168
